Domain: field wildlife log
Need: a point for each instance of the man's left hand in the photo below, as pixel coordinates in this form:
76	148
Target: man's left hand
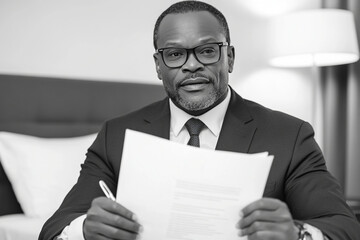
267	218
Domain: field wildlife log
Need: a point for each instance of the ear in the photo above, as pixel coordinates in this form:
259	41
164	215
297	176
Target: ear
157	65
231	58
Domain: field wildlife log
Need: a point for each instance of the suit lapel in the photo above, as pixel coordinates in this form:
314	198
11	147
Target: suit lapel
236	134
238	128
157	119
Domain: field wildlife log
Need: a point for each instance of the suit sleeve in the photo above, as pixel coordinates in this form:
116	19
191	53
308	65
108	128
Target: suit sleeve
78	200
313	195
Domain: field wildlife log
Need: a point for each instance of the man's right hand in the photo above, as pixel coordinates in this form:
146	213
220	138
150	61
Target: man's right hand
107	219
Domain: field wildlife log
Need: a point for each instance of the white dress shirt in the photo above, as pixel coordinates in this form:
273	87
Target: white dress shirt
213	119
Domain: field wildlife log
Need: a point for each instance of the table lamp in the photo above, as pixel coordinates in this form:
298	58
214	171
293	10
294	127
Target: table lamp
314	38
319	37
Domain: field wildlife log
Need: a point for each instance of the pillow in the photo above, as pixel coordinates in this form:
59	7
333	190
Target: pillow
42	170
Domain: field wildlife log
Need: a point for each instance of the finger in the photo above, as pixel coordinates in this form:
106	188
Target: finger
278	216
269	204
114	207
97	237
258	227
117	221
262	235
110	232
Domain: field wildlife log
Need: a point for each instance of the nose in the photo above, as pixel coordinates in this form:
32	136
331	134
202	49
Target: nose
192	64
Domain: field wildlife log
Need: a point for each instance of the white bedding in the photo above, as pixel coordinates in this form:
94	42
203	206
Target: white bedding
42	170
20	227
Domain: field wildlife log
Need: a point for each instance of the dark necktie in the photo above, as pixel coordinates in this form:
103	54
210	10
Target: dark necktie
194	127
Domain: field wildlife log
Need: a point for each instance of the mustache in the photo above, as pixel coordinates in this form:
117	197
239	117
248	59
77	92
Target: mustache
196	75
192	76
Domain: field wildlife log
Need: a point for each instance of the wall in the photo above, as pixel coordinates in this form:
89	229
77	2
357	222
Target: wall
288	90
112	40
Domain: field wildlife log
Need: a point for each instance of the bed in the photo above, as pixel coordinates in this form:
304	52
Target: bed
40	117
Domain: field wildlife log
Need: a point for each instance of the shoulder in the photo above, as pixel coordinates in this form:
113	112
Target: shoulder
263	114
112	132
285	136
278	123
260	115
137	120
140	115
269	123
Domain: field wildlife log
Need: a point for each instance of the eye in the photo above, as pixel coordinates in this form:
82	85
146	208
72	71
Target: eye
208	51
174	54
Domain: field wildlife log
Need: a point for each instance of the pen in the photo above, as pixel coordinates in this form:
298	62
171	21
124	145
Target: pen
109	194
106	190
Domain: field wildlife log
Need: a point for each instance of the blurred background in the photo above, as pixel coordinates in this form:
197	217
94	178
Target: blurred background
112	41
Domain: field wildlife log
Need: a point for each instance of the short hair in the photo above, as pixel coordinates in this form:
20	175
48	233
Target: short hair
191	6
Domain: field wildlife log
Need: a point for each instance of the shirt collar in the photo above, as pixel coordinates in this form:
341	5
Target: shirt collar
213	118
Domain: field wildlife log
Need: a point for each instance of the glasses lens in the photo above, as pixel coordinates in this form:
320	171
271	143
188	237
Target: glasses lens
208	53
205	54
174	57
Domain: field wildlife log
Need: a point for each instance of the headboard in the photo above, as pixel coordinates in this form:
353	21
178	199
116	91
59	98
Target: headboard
54	107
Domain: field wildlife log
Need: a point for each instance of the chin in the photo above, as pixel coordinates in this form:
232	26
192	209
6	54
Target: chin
194	105
194	102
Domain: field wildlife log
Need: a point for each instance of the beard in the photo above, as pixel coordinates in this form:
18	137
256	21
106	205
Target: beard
203	103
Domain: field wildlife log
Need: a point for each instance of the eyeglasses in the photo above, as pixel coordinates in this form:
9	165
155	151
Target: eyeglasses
209	53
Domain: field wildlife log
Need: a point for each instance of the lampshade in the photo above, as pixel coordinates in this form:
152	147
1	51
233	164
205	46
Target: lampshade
319	37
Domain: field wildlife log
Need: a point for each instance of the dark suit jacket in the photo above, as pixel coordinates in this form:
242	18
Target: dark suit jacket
298	175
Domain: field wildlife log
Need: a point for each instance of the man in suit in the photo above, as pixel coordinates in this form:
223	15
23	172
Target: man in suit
193	59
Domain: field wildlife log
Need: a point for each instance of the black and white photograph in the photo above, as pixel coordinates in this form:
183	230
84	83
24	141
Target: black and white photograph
179	120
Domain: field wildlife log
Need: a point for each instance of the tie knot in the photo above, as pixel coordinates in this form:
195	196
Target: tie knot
194	126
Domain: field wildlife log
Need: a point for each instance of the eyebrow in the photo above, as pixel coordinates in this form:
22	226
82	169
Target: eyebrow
204	40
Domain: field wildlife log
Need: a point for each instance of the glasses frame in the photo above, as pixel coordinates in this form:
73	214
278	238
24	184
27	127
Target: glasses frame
192	50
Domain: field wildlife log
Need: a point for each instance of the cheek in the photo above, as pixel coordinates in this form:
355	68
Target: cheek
220	75
170	77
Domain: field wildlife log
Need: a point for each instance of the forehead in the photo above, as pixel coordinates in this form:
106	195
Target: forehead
189	30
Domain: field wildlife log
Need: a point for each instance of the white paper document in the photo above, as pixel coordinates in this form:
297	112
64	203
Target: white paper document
179	192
